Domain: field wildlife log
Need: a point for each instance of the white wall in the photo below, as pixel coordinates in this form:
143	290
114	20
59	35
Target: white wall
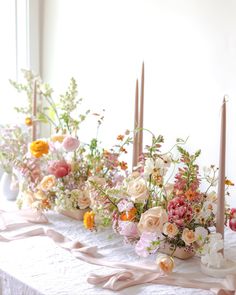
189	49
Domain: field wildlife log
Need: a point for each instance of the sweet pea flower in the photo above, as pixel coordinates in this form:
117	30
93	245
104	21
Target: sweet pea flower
128	229
144	243
70	143
59	168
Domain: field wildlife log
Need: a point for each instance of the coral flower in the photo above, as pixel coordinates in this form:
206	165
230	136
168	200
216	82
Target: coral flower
120	137
38	148
191	195
123	165
89	220
129	215
28	121
59	168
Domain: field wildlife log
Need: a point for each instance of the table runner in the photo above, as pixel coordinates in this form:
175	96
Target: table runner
131	274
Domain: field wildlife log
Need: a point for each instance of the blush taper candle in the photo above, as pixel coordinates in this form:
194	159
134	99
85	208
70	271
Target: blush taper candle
136	119
140	138
220	215
34	111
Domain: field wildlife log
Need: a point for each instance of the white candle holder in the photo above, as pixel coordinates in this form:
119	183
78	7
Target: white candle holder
228	267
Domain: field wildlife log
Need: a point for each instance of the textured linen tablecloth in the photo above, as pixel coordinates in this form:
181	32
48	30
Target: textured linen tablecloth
36	265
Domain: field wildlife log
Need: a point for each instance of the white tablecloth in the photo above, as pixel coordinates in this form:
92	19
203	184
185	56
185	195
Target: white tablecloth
36	265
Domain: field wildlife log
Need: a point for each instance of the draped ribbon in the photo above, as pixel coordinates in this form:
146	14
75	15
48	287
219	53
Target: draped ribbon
125	275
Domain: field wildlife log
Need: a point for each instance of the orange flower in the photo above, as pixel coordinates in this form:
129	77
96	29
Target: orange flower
28	121
123	150
129	215
106	154
89	220
123	165
191	195
120	137
38	148
229	182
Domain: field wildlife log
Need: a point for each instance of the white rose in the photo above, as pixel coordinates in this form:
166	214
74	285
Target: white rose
153	220
84	199
137	190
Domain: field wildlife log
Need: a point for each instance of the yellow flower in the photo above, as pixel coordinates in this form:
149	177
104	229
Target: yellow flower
58	137
38	148
28	121
229	182
89	220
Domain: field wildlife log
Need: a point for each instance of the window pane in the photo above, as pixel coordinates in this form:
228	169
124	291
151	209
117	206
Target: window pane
7	60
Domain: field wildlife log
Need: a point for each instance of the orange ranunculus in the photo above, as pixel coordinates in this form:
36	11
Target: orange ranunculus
38	148
89	220
28	121
129	215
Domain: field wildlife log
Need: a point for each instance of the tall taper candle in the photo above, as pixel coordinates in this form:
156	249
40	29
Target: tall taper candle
140	138
34	111
221	184
135	142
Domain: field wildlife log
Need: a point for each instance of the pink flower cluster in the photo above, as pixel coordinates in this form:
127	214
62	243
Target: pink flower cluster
179	211
181	182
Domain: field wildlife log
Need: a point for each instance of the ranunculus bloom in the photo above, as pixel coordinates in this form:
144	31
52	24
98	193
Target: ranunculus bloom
188	236
47	182
59	168
83	199
89	222
165	263
38	148
70	143
28	121
170	229
153	220
137	190
232	224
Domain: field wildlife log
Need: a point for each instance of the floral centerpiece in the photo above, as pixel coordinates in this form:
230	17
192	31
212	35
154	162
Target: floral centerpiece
162	207
55	171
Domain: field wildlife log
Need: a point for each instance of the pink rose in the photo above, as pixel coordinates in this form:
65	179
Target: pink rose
70	143
59	168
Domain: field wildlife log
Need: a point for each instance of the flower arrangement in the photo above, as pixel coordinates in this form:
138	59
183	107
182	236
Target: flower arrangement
161	206
56	170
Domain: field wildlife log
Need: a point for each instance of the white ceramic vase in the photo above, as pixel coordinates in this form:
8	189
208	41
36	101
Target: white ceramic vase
9	188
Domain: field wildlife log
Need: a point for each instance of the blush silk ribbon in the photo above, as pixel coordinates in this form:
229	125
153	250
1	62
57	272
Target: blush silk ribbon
125	275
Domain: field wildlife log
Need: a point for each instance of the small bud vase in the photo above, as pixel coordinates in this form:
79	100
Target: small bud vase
9	187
